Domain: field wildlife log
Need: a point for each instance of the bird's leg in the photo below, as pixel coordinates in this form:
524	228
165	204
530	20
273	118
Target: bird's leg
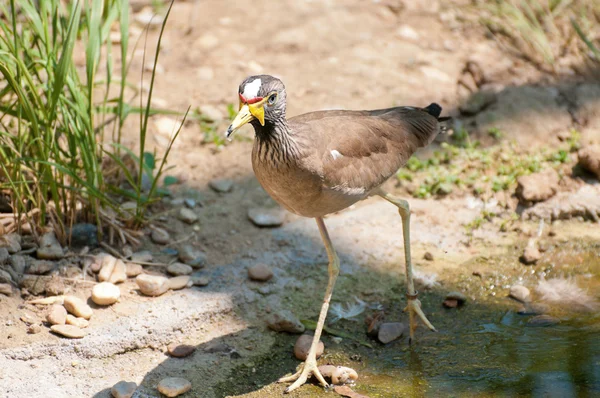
309	367
414	305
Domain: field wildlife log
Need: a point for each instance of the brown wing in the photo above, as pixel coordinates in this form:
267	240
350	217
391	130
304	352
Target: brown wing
359	150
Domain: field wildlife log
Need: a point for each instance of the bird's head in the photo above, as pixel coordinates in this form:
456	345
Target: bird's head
262	102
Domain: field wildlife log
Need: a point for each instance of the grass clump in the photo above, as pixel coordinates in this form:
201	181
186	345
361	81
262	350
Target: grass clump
54	116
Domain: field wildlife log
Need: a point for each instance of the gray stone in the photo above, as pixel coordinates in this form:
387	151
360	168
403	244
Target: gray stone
84	234
302	347
222	185
542	321
537	187
174	386
160	236
188	216
520	293
179	282
189	203
70	331
18	263
477	102
533	309
191	256
152	285
50	248
123	389
40	267
11	242
266	217
34	284
178	269
200	280
260	272
389	332
57	315
284	321
143	256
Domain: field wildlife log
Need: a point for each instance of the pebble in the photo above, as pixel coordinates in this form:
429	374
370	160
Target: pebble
428	256
188	216
57	315
477	101
35	284
5	277
533	309
160	236
4	255
520	293
50	248
152	285
343	375
408	33
458	296
119	273
179	282
105	293
55	286
123	389
266	217
78	307
69	331
200	280
222	185
180	350
260	272
542	321
79	322
530	255
107	267
83	234
178	269
302	347
189	203
538	186
132	270
190	256
143	256
6	289
174	386
11	242
18	263
450	303
389	332
589	159
284	321
34	329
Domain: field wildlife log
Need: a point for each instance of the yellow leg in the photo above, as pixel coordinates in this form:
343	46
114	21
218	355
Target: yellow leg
310	365
414	305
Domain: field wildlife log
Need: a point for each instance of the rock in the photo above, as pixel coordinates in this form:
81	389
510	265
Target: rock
55	286
302	347
83	234
105	293
428	256
407	33
200	280
70	271
107	268
211	113
533	309
34	284
152	285
18	263
50	248
343	375
521	113
78	307
346	391
584	203
57	315
81	323
260	272
284	321
132	269
530	255
589	159
537	187
178	269
38	267
70	331
11	242
174	386
450	303
179	282
34	329
4	255
189	203
222	185
123	389
542	321
119	273
389	332
190	256
187	215
587	101
458	296
477	102
160	236
266	217
180	350
6	289
520	293
143	256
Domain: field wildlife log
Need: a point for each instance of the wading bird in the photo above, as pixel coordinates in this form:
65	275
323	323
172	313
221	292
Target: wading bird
322	162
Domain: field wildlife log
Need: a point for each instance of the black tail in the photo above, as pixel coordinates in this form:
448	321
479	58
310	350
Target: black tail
435	110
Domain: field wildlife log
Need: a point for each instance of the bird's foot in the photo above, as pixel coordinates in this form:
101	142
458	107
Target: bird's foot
307	369
414	313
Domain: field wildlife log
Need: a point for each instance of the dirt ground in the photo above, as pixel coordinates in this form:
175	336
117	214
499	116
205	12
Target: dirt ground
330	54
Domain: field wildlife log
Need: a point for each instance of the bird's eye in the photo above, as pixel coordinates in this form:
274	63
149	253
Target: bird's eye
272	99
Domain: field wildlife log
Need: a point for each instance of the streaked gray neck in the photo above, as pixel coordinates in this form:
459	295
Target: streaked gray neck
276	142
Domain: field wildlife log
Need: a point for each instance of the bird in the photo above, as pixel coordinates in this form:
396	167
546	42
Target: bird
322	162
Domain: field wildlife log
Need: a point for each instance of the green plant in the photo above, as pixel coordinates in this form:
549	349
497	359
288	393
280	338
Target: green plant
53	121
